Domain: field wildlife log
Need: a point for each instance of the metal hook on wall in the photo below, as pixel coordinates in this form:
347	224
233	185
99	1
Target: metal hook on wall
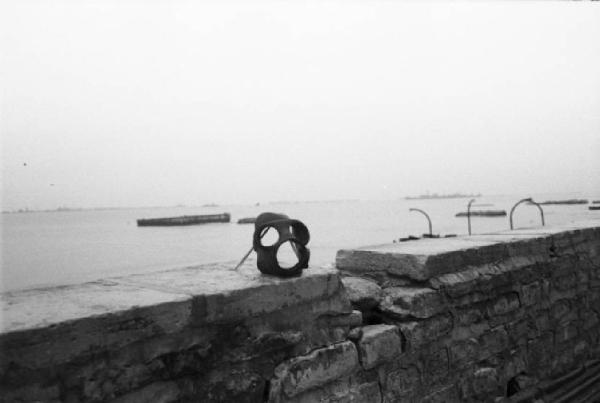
426	216
469	214
529	200
541	210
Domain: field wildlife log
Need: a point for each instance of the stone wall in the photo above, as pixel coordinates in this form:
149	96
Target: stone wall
510	316
481	318
197	334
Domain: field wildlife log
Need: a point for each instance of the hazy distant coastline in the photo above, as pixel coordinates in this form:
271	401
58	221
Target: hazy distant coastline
63	209
76	209
442	196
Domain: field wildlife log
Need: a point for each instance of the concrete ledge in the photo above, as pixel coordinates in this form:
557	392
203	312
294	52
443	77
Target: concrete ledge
426	258
218	293
119	337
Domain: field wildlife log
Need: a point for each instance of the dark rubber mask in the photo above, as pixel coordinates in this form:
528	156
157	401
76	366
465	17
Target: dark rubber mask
289	230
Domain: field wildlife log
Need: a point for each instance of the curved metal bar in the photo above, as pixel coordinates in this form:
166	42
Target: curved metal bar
426	216
263	233
529	199
541	211
469	214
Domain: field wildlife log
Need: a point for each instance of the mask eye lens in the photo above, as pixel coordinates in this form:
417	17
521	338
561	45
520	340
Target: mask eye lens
269	236
286	255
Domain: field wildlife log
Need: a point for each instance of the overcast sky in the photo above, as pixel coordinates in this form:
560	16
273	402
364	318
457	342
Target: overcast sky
142	103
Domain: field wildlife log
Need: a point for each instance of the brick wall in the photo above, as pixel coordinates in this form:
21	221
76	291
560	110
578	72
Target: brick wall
498	316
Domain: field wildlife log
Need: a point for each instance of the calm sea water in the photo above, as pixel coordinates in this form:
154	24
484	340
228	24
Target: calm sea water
56	248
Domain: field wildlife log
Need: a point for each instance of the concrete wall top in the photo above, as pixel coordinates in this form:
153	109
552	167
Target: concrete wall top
426	258
207	293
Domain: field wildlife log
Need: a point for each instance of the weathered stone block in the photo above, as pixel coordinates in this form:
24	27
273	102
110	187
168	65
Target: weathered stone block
505	304
321	322
343	390
464	352
539	352
513	363
481	385
581	350
593	301
363	393
35	392
400	384
583	274
469	331
560	312
366	393
232	384
493	342
162	392
542	321
564	333
268	294
445	394
562	244
317	368
566	282
363	294
495	279
51	326
510	317
521	330
582	241
473	298
562	361
465	316
355	334
456	284
355	319
421	260
379	343
531	294
588	318
563	265
339	319
413	302
425	331
529	274
535	247
523	381
436	366
595	276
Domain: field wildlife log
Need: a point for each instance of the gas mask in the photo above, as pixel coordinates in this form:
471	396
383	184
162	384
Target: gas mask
289	230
